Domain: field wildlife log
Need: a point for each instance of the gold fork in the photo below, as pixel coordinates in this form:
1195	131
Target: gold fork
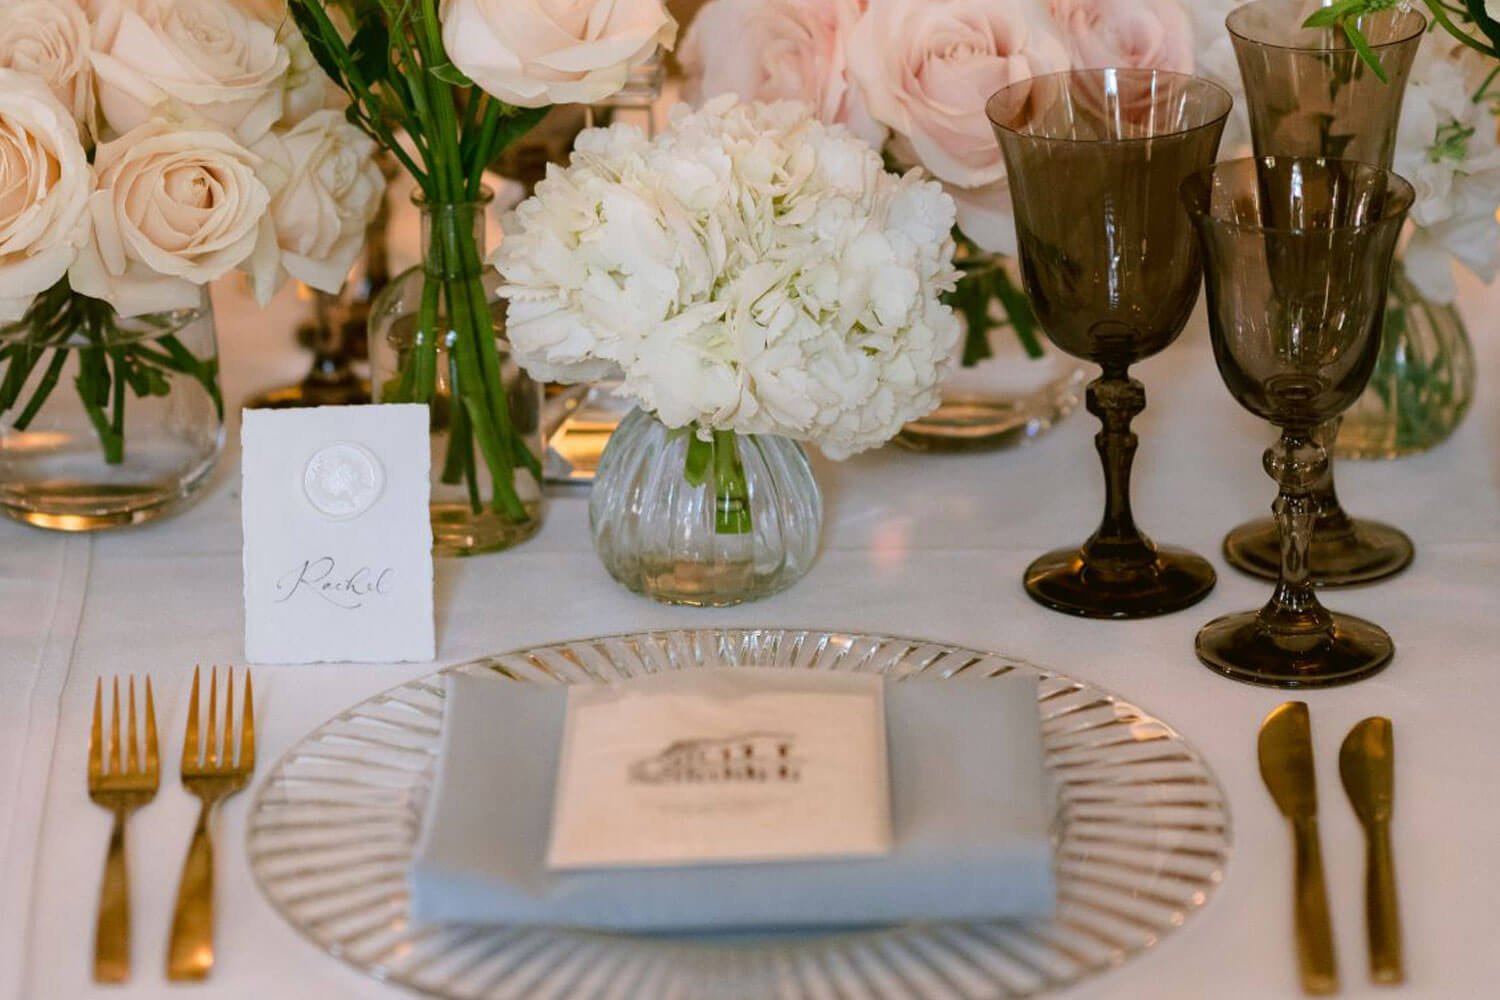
191	953
122	790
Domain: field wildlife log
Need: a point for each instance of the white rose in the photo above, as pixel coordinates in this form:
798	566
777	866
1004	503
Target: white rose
330	192
176	208
532	53
307	88
45	182
209	56
770	50
1140	34
50	39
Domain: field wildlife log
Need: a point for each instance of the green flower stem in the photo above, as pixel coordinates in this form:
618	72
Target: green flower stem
731	491
43	390
62	324
720	453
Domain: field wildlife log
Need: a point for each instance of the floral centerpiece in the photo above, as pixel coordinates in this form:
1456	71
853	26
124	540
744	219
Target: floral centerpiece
752	274
148	149
446	87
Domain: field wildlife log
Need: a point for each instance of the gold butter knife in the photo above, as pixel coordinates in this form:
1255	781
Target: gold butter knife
1367	765
1286	766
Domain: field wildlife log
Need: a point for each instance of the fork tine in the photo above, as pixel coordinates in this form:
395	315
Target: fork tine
247	729
96	733
213	708
229	720
190	742
153	766
132	762
114	731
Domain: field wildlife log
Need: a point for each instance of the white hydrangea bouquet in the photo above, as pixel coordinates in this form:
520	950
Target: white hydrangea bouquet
750	271
147	148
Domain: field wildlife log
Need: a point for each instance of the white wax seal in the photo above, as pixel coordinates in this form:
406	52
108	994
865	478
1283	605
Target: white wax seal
343	480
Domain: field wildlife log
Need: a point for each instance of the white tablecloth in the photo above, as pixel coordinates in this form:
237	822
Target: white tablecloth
914	545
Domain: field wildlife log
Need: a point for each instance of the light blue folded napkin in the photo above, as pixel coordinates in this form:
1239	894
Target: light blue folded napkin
970	818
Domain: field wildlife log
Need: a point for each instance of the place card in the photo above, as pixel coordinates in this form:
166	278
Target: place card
338	545
722	766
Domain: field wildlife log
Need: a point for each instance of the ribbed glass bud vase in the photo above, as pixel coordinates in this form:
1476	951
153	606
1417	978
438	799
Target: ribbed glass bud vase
707	523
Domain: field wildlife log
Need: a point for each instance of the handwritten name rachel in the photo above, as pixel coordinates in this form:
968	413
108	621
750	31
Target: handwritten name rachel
322	577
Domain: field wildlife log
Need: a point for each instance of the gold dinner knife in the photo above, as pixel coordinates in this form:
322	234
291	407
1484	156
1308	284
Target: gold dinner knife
1286	766
1367	765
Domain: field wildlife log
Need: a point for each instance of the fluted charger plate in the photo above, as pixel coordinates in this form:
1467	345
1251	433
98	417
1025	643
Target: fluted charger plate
1142	838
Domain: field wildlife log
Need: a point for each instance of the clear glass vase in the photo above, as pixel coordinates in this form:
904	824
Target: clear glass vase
437	337
106	421
704	523
1006	385
1423	383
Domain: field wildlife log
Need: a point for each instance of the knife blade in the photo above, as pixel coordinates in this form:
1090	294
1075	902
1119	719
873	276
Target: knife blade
1286	766
1367	765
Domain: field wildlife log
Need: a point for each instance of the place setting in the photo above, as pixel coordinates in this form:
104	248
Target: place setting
754	230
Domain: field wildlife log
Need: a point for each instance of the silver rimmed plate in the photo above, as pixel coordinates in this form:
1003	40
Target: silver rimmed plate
1142	841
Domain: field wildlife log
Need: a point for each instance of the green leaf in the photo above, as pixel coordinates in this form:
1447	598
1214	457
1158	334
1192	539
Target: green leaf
514	123
1362	46
324	50
370	51
1487	24
450	73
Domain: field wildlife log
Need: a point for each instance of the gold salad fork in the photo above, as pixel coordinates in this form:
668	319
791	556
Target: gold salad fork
214	778
121	790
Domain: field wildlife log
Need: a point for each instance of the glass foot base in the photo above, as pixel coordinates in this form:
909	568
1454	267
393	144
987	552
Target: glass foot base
343	392
1062	581
458	531
1373	552
1239	646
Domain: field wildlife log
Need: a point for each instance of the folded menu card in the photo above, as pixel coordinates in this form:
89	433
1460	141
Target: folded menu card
692	767
968	807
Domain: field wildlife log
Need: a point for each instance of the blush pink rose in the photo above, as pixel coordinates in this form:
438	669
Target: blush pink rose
927	68
771	50
1141	34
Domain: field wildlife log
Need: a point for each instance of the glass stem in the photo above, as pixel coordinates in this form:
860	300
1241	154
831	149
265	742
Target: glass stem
1116	399
1298	462
1331	521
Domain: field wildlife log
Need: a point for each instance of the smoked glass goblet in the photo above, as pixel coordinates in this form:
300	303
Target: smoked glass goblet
1297	259
1108	258
1309	93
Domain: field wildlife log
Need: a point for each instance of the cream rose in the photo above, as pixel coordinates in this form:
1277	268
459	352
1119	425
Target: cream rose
176	207
45	181
927	68
208	56
770	50
1141	34
331	190
50	39
532	53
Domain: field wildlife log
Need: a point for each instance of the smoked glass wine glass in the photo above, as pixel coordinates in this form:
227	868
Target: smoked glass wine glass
1308	93
1095	159
1297	258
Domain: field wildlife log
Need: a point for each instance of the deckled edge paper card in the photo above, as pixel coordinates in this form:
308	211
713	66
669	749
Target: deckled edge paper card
722	766
338	545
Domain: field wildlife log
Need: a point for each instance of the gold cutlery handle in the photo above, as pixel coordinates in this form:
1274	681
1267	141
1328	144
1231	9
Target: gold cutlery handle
190	956
1383	920
112	930
1320	973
